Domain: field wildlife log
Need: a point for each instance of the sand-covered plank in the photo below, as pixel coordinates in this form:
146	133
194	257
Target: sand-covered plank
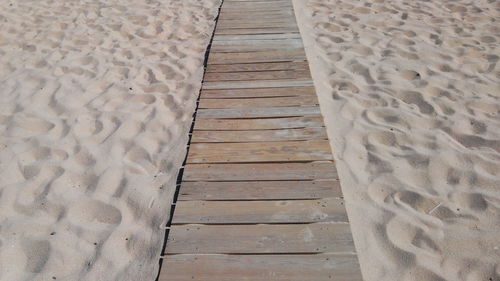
321	267
238	212
310	150
318	133
259	190
260	239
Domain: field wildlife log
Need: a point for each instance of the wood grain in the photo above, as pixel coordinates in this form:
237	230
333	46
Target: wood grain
260	172
238	212
216	267
259	190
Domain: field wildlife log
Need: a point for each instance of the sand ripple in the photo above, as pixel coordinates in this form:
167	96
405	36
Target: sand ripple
411	97
95	104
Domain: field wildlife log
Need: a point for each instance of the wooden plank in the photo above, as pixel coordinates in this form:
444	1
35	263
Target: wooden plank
238	212
259	190
321	267
254	24
256	75
258	124
263	66
223	38
258	102
258	112
310	150
260	239
252	57
259	136
251	47
243	31
260	172
280	83
258	92
257	16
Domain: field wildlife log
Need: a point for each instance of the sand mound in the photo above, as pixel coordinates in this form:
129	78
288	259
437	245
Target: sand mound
409	90
95	104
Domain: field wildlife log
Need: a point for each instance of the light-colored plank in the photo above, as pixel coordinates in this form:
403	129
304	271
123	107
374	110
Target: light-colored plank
321	267
250	47
259	136
244	31
259	190
256	75
258	124
252	57
260	239
280	83
310	150
254	24
259	92
271	66
259	102
260	172
223	38
238	212
259	112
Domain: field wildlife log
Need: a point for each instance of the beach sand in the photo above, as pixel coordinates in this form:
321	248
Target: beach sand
96	103
410	95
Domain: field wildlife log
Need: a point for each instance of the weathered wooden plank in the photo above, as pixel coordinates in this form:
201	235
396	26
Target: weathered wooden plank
258	124
263	66
259	190
258	16
238	212
321	267
251	57
243	31
310	150
279	83
258	92
260	172
250	47
259	112
256	75
254	24
259	136
223	38
259	102
260	239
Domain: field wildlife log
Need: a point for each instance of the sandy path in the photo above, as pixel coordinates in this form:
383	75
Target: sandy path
409	90
95	104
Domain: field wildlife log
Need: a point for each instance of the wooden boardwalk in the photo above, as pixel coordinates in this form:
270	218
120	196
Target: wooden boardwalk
260	198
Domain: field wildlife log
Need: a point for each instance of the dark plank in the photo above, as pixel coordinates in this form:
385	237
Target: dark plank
260	135
259	190
238	212
321	267
259	102
263	66
260	172
258	124
297	151
259	112
260	239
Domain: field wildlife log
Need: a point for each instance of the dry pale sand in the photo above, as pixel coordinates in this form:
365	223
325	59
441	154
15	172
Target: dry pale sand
410	93
96	100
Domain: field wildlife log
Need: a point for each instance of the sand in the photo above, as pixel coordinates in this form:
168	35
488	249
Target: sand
411	98
96	103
